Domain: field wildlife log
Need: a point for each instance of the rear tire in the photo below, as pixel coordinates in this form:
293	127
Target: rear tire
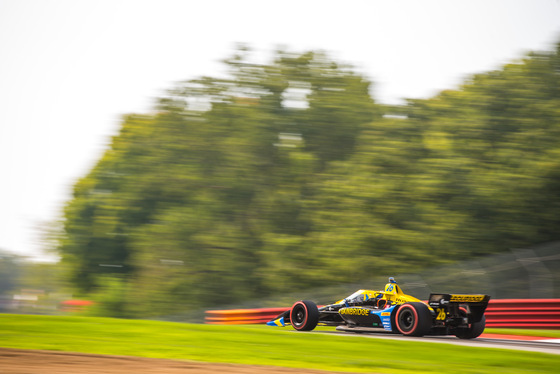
413	319
304	315
473	331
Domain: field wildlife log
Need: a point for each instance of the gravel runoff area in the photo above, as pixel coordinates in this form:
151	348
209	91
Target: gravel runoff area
20	361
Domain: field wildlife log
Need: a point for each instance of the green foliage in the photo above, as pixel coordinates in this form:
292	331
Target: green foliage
262	345
110	297
10	272
17	274
285	176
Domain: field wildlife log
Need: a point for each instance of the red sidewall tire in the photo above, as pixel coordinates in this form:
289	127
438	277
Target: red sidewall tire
414	319
296	325
304	315
407	308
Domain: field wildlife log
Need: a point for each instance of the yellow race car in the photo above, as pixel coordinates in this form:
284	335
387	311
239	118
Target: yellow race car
394	311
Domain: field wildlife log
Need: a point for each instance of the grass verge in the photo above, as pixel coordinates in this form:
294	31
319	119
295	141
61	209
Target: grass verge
526	332
260	345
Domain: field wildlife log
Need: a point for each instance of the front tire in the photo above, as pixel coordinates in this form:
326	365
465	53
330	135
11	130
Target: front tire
304	315
413	319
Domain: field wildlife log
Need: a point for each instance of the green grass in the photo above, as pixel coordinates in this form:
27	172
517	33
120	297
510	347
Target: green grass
261	345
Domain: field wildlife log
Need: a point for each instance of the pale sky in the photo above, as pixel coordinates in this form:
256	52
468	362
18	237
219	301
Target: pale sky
69	69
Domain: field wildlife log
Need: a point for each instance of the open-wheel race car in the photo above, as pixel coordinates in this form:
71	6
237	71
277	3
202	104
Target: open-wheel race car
391	310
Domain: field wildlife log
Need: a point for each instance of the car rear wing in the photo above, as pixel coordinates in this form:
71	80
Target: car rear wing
455	305
439	299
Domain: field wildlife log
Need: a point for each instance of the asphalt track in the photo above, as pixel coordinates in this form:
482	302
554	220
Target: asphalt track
523	343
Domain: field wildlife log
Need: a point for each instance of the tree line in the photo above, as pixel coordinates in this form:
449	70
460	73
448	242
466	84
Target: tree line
289	175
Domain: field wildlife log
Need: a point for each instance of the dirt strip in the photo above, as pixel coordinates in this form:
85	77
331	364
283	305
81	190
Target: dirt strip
19	361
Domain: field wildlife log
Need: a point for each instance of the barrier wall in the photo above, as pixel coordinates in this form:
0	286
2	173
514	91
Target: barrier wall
524	313
242	316
510	313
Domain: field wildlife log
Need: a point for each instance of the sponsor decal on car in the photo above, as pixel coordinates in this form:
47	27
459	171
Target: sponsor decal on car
466	298
355	311
401	300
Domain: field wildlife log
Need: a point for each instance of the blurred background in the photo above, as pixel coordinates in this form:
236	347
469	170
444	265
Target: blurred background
253	173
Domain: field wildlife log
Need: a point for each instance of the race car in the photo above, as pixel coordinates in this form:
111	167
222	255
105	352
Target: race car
392	310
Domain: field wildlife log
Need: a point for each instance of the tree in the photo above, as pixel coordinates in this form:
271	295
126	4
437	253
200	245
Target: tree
193	200
285	175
